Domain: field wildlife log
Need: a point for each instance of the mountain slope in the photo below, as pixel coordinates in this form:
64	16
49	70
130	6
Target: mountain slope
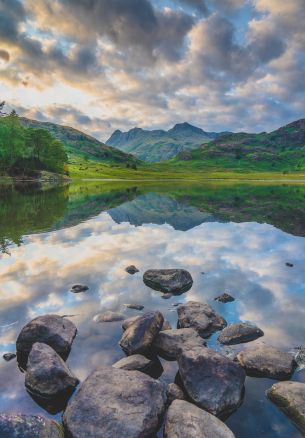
81	144
159	145
282	149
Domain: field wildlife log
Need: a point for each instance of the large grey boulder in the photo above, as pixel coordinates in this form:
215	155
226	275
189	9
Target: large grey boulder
47	375
137	362
53	330
176	281
201	317
29	426
266	361
211	380
239	333
289	397
184	420
116	403
168	342
139	336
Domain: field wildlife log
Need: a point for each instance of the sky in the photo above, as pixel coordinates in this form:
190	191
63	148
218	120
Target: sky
100	65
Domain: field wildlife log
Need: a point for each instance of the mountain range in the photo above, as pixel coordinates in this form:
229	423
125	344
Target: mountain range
160	145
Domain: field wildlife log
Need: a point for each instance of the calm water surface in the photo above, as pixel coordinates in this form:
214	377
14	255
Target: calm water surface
234	239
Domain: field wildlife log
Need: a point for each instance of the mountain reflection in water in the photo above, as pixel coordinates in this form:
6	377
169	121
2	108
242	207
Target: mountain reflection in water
240	236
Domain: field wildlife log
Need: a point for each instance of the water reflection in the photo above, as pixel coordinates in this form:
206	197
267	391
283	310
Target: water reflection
246	259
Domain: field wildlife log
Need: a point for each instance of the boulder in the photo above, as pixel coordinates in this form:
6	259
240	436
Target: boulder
134	306
289	397
53	330
139	336
266	361
109	316
137	362
131	269
9	356
225	298
201	317
169	342
174	281
239	334
29	426
129	321
184	420
174	392
211	380
116	403
78	288
47	375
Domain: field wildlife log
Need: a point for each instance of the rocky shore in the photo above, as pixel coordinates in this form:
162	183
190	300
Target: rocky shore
127	398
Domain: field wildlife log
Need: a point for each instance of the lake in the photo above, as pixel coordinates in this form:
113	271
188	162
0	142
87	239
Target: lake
234	238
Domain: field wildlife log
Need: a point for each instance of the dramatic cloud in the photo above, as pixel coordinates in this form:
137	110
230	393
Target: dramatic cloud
100	65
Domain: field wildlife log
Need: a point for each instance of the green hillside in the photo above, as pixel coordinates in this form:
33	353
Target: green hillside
159	145
82	145
280	150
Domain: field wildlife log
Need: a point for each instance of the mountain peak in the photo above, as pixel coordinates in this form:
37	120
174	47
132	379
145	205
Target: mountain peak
186	127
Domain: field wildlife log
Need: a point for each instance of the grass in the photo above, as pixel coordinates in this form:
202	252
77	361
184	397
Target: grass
91	169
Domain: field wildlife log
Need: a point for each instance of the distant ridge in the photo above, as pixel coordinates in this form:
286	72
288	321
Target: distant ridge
160	145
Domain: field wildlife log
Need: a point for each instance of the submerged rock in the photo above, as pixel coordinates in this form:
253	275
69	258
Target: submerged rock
134	306
138	362
132	269
289	397
116	403
201	317
29	426
225	298
239	334
53	330
78	288
9	356
211	380
169	342
290	265
266	361
174	392
47	375
139	336
184	420
174	281
109	316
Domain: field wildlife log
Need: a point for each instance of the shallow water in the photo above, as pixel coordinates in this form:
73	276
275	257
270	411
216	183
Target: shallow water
231	238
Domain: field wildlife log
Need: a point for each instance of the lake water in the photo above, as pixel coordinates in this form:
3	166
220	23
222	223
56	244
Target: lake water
234	238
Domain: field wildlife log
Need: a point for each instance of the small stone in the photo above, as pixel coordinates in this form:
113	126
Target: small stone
132	270
47	375
225	298
290	265
239	334
174	392
138	362
201	317
211	381
266	361
109	316
78	288
289	397
9	356
116	403
53	330
134	306
139	336
29	426
176	281
184	420
169	342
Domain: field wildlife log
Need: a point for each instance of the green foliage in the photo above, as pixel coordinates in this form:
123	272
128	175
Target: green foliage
23	151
